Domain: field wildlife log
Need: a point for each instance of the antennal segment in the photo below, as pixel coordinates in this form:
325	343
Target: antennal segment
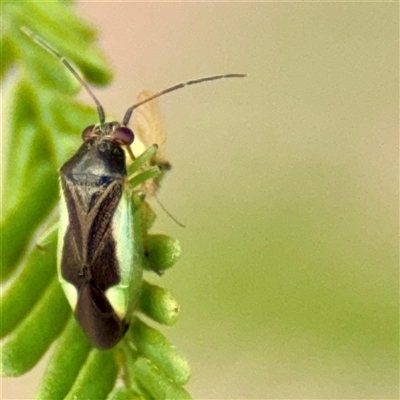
129	112
66	63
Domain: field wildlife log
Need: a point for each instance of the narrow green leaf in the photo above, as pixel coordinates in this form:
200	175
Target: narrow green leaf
7	56
154	346
24	107
71	115
77	28
24	346
126	355
28	286
154	381
96	378
22	130
158	304
162	251
35	62
92	67
123	393
77	49
19	225
69	355
26	150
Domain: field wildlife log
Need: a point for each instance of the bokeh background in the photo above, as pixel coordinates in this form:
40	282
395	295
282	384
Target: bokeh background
287	182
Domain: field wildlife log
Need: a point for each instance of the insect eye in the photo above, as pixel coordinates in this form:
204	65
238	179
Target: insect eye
87	133
124	135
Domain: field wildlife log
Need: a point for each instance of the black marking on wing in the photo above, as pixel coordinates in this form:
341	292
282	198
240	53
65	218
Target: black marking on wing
89	246
73	239
101	215
99	321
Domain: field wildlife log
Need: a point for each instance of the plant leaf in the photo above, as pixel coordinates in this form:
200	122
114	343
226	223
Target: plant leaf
96	378
158	304
29	285
64	366
25	345
153	345
154	381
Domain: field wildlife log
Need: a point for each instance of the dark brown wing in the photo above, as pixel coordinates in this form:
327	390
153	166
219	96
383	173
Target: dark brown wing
89	247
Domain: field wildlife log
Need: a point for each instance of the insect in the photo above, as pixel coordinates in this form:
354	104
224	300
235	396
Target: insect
97	264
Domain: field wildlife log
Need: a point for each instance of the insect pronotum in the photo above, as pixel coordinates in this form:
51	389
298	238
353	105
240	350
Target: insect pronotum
96	264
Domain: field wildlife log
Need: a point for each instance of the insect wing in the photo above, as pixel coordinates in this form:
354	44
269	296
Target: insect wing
149	129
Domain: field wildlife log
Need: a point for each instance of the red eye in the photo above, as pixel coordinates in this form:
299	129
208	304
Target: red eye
124	135
87	133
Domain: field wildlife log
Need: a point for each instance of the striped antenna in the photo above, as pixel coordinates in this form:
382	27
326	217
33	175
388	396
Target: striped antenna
129	112
66	63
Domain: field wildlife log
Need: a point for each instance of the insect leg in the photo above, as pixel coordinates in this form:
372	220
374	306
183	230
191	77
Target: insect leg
136	180
142	160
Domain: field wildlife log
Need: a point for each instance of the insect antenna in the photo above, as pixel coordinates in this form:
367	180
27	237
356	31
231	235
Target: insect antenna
168	213
129	112
66	63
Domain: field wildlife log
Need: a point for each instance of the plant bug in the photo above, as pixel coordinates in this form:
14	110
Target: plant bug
97	266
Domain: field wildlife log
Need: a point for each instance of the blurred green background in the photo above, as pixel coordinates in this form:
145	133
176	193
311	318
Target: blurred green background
287	182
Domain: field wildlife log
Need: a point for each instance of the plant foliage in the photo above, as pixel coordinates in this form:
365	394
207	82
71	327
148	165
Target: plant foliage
43	125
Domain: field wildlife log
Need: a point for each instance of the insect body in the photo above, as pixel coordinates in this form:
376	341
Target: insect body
98	265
